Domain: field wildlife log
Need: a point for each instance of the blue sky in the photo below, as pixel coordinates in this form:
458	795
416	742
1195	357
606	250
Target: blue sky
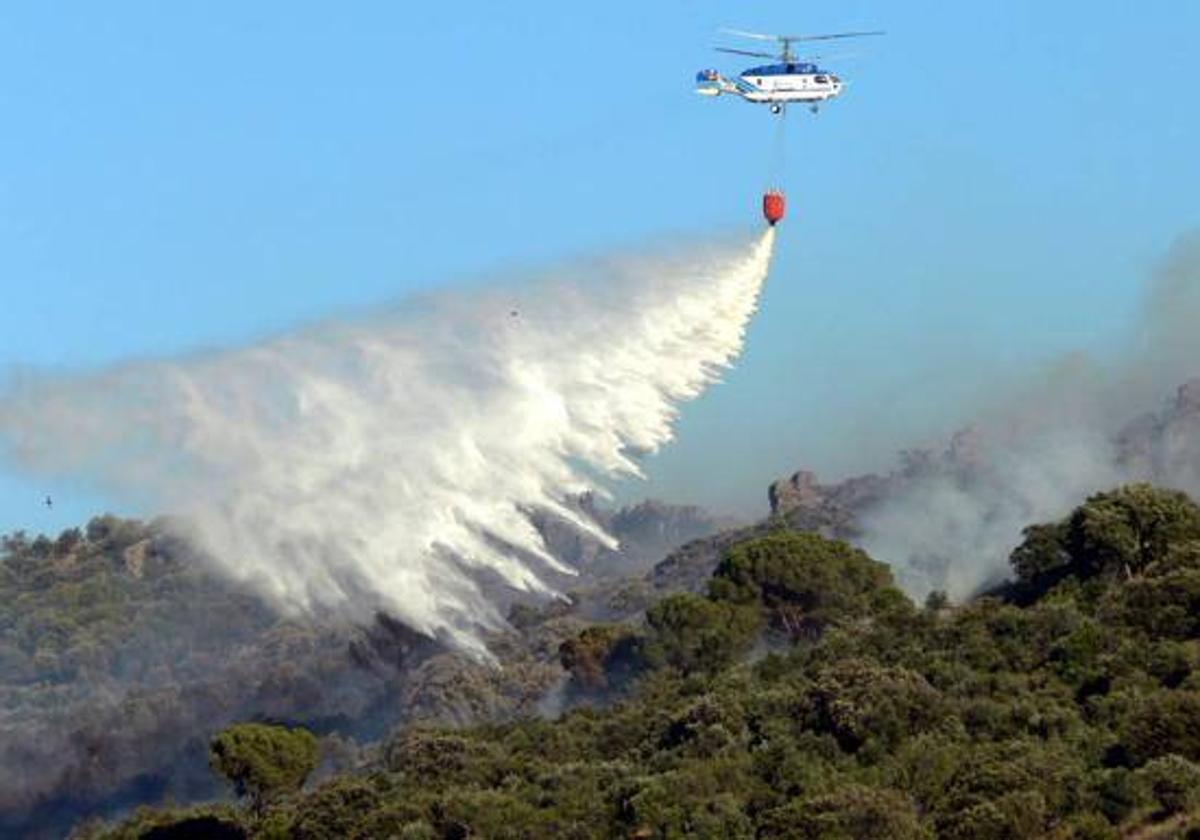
991	191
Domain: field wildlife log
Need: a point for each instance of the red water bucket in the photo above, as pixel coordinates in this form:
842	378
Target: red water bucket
774	206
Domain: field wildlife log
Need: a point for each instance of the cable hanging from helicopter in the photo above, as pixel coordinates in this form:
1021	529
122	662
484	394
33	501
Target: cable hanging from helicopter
774	200
790	79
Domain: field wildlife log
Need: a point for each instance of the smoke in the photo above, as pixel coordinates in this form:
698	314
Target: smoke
390	462
1040	447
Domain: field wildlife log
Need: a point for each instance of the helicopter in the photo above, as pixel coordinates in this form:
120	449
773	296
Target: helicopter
791	79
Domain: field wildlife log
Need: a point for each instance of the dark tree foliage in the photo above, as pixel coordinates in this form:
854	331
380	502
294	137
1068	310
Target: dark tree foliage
695	634
1173	782
263	761
602	656
1163	723
213	822
440	759
1128	533
1041	560
1165	602
861	702
804	581
197	828
936	601
851	812
1130	530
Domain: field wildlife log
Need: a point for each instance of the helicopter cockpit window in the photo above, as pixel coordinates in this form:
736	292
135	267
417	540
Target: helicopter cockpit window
822	80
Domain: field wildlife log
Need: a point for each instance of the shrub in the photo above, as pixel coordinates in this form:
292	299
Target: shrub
1173	782
439	759
852	812
1165	722
600	655
695	634
859	700
264	761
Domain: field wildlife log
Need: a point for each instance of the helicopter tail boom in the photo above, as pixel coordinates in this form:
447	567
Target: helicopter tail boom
712	83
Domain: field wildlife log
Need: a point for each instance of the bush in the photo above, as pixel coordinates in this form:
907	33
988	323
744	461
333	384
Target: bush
1012	816
264	761
853	812
1165	606
1165	722
1173	782
1088	826
695	634
439	759
336	809
860	701
601	655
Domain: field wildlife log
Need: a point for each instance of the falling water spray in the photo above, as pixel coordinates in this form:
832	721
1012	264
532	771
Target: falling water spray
384	463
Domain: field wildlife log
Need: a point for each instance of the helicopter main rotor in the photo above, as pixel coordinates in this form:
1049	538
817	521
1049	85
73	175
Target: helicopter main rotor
786	54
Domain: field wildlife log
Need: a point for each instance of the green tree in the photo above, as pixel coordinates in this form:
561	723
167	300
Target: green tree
263	761
1041	560
695	634
804	581
1130	529
1121	534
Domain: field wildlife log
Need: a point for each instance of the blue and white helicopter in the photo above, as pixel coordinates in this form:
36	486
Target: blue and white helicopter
792	79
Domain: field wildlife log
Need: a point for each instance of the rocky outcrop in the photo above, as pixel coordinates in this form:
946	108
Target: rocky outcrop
645	533
1164	446
688	568
805	504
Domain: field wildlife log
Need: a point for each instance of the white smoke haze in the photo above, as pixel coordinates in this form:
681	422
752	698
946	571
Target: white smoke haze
379	464
1046	443
954	531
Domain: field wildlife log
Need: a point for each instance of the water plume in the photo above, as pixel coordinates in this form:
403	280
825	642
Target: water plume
385	463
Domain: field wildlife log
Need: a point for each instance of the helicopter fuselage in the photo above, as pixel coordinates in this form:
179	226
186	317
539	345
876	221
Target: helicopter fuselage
795	82
774	83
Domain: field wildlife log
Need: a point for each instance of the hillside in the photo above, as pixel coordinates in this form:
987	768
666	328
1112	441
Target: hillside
803	695
120	652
